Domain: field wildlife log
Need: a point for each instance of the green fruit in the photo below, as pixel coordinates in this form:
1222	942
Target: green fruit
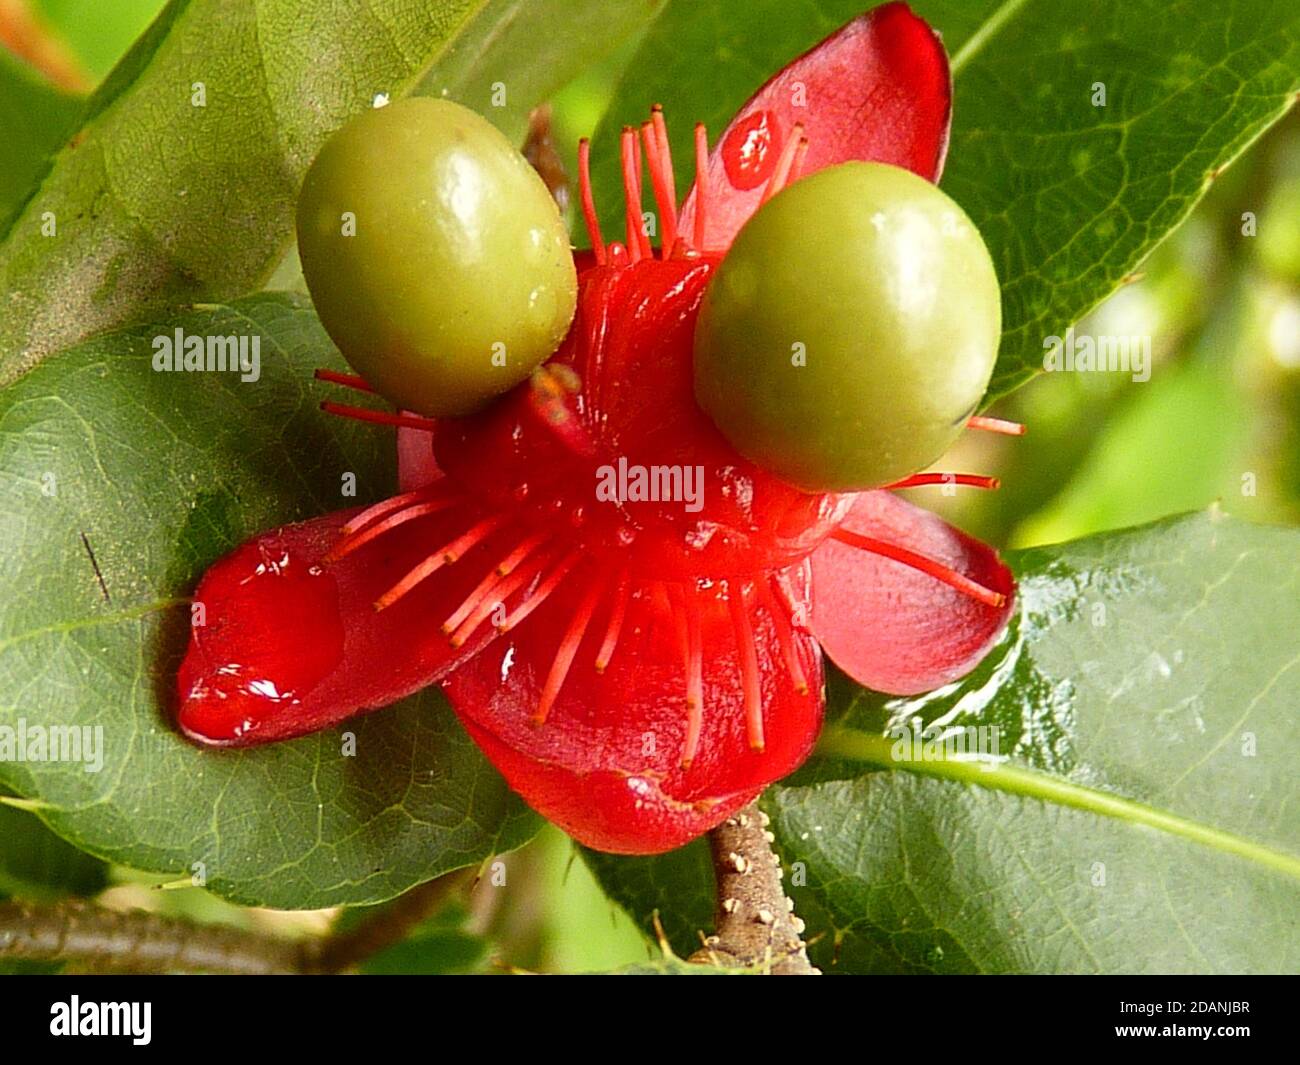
435	255
851	329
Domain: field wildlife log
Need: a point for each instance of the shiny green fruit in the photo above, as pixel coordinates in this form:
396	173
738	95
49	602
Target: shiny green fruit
436	257
851	329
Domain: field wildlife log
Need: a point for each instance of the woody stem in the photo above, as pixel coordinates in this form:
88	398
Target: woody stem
755	918
136	941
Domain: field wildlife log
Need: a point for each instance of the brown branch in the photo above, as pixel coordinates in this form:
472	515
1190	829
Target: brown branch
138	941
755	918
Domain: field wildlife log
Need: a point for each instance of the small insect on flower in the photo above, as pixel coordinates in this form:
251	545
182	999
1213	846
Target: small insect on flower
637	668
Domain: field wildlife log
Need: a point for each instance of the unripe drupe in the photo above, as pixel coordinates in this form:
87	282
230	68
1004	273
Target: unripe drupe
851	329
436	258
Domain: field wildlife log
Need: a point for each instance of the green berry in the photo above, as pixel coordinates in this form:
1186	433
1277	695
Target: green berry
851	329
436	257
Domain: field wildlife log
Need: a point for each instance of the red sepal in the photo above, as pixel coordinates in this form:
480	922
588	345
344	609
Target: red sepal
891	627
878	90
290	643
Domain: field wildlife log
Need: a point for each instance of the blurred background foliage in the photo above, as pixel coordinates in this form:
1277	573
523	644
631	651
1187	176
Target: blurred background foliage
1219	420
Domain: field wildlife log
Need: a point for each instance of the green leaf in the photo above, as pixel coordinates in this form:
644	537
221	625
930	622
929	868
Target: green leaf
1069	197
36	119
431	952
163	473
1191	423
677	887
99	33
1139	815
161	201
519	52
438	946
36	864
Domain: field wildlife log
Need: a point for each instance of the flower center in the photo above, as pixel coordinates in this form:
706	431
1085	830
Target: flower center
605	450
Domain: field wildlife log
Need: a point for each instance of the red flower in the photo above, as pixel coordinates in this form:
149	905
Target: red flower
637	669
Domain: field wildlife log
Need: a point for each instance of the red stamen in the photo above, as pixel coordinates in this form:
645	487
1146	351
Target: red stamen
480	532
661	134
785	637
655	135
511	562
347	380
348	544
694	681
589	215
471	602
379	417
996	425
946	574
637	242
616	615
678	607
748	666
662	205
569	645
795	612
686	616
443	556
781	173
971	480
701	183
643	238
487	584
380	509
688	639
502	592
800	154
631	209
543	591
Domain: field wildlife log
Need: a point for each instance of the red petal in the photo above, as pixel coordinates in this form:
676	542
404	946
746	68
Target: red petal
609	810
416	466
607	763
891	627
878	90
290	643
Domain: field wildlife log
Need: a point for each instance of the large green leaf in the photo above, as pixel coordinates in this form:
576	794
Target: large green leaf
158	201
37	864
517	52
35	118
1140	815
161	473
1069	197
